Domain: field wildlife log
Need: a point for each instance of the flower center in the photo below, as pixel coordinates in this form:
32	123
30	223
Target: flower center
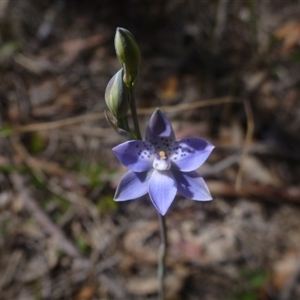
161	161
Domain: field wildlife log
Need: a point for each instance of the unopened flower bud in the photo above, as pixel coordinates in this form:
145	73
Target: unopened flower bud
117	96
128	54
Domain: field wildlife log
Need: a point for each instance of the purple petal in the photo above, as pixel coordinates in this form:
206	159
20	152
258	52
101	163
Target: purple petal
137	156
160	132
189	154
162	190
191	185
132	186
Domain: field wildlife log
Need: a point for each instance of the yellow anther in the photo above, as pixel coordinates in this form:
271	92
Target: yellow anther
162	155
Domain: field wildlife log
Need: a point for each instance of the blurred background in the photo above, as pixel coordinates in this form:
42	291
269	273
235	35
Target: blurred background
226	71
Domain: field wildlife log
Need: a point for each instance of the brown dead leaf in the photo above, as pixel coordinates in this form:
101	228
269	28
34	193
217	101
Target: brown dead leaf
284	269
142	286
135	241
43	93
212	245
289	33
13	113
75	47
256	171
174	283
3	8
232	135
66	101
33	64
169	89
5	200
35	268
86	292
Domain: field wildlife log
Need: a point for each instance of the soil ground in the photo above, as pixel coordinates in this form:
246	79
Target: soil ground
226	71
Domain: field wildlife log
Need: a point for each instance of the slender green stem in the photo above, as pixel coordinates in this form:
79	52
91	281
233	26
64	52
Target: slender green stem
134	114
162	257
162	253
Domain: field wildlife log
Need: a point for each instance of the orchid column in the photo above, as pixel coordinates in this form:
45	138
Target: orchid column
159	166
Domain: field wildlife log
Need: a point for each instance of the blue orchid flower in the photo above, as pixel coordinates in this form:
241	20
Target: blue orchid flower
162	166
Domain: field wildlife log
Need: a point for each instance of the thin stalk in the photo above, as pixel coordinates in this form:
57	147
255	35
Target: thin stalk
162	253
134	114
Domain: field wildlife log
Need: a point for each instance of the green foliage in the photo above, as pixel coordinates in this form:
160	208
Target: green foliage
106	204
37	290
62	203
37	183
4	226
6	131
95	175
37	143
295	57
249	285
82	244
91	173
257	279
61	206
8	49
12	168
247	296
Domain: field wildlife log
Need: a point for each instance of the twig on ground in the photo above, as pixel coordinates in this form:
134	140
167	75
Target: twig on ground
220	166
248	139
115	288
220	25
252	190
11	267
100	115
41	217
51	185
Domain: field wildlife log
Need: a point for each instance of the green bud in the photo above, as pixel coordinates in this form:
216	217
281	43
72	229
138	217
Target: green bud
114	124
117	96
128	54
